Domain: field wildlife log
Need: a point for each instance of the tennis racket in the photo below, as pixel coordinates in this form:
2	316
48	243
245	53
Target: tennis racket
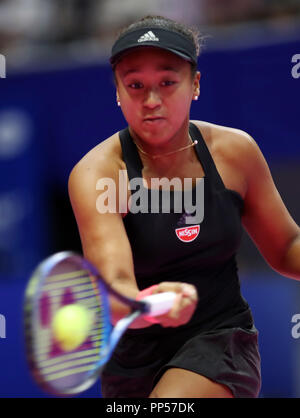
66	278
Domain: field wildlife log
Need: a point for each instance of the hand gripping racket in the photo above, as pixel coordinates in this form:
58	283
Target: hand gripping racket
66	278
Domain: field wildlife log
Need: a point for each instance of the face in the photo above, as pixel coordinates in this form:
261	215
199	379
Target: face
155	88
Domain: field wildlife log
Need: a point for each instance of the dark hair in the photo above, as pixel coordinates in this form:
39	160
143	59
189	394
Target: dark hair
165	23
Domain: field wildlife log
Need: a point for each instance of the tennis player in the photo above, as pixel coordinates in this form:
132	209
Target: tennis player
207	345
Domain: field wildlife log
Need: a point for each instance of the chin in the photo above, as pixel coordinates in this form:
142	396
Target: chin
159	137
160	134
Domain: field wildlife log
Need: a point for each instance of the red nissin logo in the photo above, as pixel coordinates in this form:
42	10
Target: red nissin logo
188	234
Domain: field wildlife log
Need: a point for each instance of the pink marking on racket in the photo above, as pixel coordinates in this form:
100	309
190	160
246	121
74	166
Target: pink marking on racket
45	310
86	345
55	350
68	297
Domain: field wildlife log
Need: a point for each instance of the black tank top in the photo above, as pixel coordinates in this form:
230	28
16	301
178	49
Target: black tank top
166	249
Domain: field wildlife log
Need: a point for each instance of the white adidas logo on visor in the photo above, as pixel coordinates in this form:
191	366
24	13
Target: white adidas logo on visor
149	36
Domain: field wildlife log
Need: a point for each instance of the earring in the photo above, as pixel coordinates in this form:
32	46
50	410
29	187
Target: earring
196	97
118	103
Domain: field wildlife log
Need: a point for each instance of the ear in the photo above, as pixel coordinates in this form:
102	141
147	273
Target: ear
117	96
196	85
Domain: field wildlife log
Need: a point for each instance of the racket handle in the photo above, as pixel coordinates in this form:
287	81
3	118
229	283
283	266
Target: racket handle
159	303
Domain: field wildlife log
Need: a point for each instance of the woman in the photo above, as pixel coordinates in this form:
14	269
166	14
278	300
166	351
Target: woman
206	346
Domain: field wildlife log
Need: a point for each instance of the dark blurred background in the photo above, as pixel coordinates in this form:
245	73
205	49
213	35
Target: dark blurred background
58	101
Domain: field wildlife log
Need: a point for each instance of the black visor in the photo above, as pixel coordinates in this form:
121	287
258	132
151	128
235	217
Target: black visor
165	39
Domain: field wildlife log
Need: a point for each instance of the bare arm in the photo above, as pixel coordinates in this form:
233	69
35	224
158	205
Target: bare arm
103	237
266	218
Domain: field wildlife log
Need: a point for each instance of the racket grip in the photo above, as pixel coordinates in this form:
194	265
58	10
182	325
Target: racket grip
159	303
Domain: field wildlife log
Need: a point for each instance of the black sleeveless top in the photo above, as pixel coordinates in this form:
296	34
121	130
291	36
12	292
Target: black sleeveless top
203	253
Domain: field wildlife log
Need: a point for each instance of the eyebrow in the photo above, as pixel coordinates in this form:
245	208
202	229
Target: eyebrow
160	68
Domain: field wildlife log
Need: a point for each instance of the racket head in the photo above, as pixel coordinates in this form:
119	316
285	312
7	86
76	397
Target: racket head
65	278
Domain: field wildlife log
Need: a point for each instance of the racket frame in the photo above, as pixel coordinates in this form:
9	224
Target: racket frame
41	272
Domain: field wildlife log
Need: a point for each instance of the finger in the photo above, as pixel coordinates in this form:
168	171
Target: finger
183	317
175	310
178	287
182	306
189	290
169	286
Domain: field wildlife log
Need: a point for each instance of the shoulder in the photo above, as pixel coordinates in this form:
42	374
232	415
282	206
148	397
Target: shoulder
218	137
233	145
104	160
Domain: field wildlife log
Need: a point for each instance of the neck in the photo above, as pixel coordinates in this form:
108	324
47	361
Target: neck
179	148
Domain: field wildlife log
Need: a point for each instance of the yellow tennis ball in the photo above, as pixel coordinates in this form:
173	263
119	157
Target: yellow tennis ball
71	325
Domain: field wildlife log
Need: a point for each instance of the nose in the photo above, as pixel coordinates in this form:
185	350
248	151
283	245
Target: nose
152	99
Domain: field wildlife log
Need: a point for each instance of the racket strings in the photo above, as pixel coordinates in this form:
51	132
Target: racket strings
59	289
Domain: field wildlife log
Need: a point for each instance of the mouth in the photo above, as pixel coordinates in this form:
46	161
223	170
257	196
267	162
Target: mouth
153	119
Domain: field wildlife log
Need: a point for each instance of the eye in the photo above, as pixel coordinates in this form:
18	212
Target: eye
135	86
168	83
